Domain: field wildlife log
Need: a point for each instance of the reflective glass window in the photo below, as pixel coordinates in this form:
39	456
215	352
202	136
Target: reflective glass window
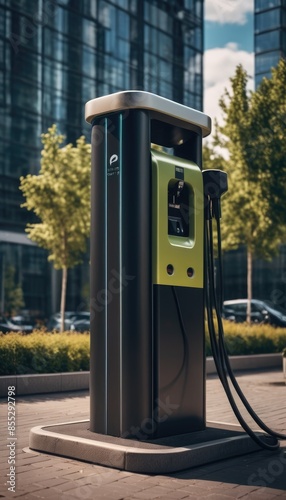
3	15
104	16
199	9
59	20
150	64
165	46
264	62
89	32
266	4
28	6
2	52
26	66
53	75
26	95
89	89
74	25
89	8
267	20
123	25
163	20
193	37
122	3
165	70
55	45
123	50
89	62
166	89
266	41
284	41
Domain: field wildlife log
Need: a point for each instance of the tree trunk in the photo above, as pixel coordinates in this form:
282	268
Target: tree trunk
249	286
63	296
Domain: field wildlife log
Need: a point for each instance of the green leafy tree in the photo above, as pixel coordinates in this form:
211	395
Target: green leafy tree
60	197
267	149
13	300
211	157
247	207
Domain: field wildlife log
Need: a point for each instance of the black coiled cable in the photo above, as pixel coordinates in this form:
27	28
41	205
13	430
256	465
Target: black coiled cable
268	441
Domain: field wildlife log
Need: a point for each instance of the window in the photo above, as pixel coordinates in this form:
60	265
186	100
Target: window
89	8
89	33
264	62
266	4
89	62
28	6
165	46
26	96
284	42
266	41
267	20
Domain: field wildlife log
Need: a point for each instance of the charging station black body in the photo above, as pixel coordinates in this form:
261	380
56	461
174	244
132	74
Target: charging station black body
147	373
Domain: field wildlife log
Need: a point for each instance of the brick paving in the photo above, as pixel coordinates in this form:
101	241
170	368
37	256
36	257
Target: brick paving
260	475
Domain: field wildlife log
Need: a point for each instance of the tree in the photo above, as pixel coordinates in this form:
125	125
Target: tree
267	151
211	157
247	207
60	197
13	299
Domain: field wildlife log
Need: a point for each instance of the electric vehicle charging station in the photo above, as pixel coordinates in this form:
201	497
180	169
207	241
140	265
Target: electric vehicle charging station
147	330
152	276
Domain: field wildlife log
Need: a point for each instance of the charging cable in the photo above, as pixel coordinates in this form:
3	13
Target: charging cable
215	185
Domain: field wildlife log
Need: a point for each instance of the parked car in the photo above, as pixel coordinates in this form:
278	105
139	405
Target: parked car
261	312
81	322
54	322
22	320
7	325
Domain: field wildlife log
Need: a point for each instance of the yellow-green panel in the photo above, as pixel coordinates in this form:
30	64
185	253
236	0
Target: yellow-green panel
181	252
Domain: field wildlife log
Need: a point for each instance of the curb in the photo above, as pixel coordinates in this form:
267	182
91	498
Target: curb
249	362
78	381
44	383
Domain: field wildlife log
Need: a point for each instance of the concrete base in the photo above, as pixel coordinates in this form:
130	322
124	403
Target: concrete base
160	456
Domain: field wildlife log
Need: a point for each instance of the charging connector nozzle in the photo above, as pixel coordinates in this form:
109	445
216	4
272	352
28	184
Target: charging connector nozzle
215	185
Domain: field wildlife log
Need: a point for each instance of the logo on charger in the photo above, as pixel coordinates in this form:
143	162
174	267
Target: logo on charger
113	159
113	167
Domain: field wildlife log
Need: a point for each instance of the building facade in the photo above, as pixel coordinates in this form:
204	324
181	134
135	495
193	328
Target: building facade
269	277
54	56
269	36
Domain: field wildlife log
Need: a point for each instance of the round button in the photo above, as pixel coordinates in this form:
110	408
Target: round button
170	269
190	272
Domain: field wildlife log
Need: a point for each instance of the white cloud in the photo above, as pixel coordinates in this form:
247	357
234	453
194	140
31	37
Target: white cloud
219	66
228	11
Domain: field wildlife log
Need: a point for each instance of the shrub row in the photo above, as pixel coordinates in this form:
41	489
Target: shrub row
43	352
243	339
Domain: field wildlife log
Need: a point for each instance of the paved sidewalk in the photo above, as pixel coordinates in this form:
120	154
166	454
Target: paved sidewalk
260	475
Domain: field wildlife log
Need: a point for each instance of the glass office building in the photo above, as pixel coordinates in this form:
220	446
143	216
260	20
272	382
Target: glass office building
269	277
54	56
269	37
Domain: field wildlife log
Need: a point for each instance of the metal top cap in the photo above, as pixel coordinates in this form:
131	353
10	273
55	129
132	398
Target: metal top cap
132	99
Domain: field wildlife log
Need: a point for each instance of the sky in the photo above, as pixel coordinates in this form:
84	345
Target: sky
229	40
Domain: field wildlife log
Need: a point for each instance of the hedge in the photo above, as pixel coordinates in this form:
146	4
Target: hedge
45	352
243	339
